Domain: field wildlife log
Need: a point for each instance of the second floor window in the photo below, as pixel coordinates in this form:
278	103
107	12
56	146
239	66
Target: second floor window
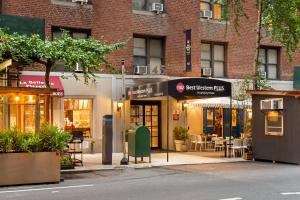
75	33
268	58
215	8
213	56
149	52
144	4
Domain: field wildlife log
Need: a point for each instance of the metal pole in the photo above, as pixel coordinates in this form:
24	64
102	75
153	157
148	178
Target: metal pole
168	116
124	160
230	124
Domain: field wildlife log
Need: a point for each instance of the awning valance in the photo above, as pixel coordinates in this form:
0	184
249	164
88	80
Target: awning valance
30	81
222	102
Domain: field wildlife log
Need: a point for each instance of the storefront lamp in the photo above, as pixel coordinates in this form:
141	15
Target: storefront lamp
119	106
184	105
17	98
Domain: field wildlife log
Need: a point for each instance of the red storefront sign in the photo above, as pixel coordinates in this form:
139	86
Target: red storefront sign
30	81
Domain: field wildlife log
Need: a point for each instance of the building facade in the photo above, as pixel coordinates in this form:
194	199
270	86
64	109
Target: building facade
176	41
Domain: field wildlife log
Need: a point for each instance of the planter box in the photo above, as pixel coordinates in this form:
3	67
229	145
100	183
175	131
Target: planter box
248	156
25	168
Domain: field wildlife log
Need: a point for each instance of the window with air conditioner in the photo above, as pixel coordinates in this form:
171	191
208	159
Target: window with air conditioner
71	2
213	57
149	52
210	6
146	5
268	62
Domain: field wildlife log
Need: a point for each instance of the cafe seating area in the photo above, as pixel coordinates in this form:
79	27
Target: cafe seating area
233	147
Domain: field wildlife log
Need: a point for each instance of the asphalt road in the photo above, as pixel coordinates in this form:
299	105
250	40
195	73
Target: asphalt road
231	181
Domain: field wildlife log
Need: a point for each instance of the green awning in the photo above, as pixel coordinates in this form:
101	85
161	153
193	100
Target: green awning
23	25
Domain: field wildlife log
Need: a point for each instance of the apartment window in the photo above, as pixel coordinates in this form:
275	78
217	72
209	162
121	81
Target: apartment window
89	1
144	4
215	8
213	56
149	52
75	33
274	123
268	62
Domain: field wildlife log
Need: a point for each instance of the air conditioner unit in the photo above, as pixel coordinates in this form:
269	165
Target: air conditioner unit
263	75
157	7
141	70
206	14
271	104
78	68
80	1
206	72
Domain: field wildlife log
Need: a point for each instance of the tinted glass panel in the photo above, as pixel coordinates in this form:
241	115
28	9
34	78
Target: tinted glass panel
219	69
205	51
139	47
219	52
155	48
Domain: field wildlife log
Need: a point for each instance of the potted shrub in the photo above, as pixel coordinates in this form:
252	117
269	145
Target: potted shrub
66	162
36	154
180	136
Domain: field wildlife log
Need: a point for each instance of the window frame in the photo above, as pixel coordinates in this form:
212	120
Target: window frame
212	56
71	31
211	8
147	4
266	64
267	133
147	55
90	2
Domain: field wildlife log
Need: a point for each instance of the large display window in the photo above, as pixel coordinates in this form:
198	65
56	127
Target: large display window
78	115
21	111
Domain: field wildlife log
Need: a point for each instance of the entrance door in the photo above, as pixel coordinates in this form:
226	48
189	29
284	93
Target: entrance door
147	113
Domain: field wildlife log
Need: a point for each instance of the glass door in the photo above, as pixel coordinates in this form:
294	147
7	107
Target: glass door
151	121
147	113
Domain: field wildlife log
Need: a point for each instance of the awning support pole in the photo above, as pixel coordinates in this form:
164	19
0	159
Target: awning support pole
168	128
230	129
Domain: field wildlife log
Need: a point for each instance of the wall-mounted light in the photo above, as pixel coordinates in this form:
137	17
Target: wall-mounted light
119	106
17	98
184	105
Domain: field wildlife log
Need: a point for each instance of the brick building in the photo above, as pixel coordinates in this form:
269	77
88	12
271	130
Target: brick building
113	21
156	40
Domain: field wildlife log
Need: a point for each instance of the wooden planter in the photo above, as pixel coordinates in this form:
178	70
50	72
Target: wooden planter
25	168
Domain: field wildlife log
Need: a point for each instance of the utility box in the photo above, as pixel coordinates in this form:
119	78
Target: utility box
107	140
139	143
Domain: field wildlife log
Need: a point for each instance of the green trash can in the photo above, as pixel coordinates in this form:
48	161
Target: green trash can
139	143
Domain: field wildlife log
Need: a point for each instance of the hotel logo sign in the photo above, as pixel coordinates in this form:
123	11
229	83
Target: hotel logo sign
180	87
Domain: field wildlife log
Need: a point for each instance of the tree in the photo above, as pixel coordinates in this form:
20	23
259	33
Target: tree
279	19
32	50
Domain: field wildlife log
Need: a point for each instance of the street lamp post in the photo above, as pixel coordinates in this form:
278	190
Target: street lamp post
124	160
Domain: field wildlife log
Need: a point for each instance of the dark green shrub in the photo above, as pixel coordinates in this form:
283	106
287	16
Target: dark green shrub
53	138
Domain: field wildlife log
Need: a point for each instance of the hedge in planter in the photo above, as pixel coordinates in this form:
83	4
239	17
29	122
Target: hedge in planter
36	154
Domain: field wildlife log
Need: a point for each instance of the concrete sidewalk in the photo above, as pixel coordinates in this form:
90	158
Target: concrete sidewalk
92	162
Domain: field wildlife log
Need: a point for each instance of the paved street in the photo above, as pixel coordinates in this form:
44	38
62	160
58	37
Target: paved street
232	181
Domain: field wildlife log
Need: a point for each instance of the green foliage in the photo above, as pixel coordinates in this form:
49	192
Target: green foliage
49	139
32	50
29	142
5	141
66	160
180	133
53	138
280	19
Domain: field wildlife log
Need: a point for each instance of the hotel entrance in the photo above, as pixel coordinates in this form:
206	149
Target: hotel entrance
147	113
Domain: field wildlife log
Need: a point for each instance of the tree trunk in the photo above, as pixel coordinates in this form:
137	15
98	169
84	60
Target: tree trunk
258	41
47	73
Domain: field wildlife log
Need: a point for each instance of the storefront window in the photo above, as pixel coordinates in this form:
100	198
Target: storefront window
274	123
210	118
78	115
19	110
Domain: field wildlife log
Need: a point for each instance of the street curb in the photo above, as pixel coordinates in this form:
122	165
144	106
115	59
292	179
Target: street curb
123	167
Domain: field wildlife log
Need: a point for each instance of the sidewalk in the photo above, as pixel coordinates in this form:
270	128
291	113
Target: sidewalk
92	162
